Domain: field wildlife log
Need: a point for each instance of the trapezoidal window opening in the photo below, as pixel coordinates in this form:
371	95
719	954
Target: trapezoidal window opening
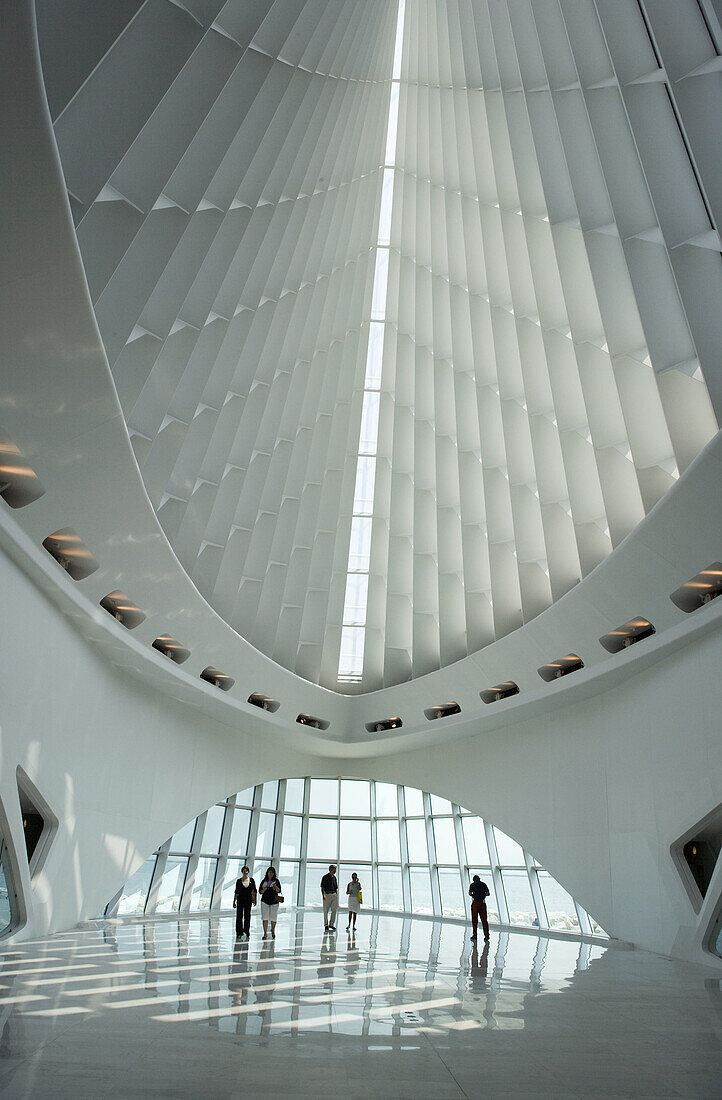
627	634
699	590
383	724
39	822
19	484
562	666
71	553
499	691
316	723
264	702
442	710
211	675
696	854
124	610
172	648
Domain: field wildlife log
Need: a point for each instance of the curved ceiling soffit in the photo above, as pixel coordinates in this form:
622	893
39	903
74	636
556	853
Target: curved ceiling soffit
71	427
522	435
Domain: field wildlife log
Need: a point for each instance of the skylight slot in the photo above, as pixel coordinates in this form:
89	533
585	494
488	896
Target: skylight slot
172	648
218	679
353	629
562	666
442	710
19	484
122	609
383	724
264	702
499	691
316	723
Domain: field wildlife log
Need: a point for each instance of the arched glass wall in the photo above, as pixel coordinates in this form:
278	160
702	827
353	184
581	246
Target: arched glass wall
413	851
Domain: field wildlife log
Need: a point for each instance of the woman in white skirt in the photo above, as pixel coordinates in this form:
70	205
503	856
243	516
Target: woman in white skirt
270	890
353	891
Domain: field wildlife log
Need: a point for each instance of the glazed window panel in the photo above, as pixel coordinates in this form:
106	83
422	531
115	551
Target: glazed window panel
452	901
230	877
355	839
322	840
135	891
560	909
477	850
509	852
387	841
240	823
203	884
324	796
416	838
390	891
355	798
445	840
420	890
291	839
211	841
294	795
264	840
519	899
387	803
413	802
171	884
183	839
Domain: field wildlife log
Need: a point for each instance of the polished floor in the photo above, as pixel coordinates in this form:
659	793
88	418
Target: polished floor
405	1009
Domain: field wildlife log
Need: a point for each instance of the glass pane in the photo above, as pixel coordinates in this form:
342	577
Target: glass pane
390	891
171	884
381	277
452	901
314	874
294	795
351	656
232	873
387	202
134	893
239	833
203	884
291	842
355	840
355	798
211	841
375	354
416	837
182	840
484	873
558	903
322	840
369	434
420	890
269	798
387	804
509	852
518	898
414	802
440	805
288	873
324	796
264	841
363	501
245	798
359	552
387	841
475	840
445	840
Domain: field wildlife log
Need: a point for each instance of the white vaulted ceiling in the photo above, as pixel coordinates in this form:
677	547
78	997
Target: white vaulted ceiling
548	345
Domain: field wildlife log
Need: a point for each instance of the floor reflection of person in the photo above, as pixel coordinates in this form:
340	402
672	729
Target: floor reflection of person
479	969
244	898
479	892
353	891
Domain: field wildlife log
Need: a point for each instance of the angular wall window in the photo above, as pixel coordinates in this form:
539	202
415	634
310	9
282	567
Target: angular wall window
560	909
291	841
390	891
211	839
519	898
238	844
387	841
230	877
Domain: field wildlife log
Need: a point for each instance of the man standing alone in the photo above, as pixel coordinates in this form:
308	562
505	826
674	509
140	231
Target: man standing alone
479	892
329	893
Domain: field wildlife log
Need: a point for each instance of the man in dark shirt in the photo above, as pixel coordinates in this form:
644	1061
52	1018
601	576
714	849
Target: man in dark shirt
479	892
329	893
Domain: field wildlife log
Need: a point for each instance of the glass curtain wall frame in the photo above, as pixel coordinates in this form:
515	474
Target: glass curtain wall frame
414	852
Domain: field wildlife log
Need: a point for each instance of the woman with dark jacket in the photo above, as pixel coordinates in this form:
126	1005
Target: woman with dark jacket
244	898
270	889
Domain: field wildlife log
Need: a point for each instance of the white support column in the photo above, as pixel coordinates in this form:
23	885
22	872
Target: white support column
496	874
404	850
433	869
536	893
461	852
278	828
160	866
187	888
253	829
375	900
585	926
303	852
222	863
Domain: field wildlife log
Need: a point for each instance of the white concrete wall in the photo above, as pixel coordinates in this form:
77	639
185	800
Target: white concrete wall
597	790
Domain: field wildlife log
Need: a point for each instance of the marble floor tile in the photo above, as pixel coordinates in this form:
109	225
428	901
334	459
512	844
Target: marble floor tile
178	1009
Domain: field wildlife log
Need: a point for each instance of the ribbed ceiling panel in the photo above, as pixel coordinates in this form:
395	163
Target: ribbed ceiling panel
546	335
